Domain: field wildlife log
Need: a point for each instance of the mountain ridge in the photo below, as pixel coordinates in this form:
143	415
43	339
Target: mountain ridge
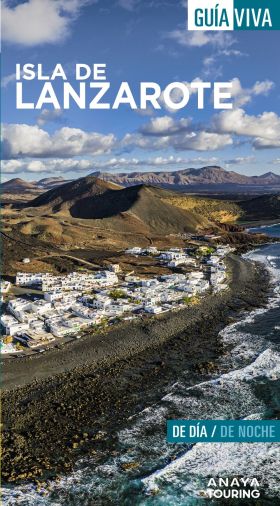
205	175
208	175
66	194
17	184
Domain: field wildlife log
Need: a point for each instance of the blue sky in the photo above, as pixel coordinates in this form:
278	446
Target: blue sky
138	41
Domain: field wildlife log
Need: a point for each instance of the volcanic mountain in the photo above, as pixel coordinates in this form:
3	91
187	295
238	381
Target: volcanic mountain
17	185
140	208
68	195
92	213
18	191
211	175
48	183
266	207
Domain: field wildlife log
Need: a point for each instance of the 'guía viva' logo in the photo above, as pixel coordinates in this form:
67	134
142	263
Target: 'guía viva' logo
233	15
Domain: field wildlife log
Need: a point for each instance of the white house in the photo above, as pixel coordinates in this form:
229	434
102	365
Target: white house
133	251
182	260
152	250
101	302
28	279
115	268
153	309
11	326
41	306
150	282
213	260
53	296
4	286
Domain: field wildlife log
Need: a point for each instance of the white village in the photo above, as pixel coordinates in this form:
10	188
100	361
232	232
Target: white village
72	304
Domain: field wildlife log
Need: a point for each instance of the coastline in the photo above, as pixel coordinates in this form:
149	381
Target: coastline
79	396
260	223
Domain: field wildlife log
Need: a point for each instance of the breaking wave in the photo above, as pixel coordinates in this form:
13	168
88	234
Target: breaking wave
247	386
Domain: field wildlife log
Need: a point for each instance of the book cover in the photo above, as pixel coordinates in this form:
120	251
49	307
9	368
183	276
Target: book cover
140	256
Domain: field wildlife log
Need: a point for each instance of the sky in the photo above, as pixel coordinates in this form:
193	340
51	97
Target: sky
138	41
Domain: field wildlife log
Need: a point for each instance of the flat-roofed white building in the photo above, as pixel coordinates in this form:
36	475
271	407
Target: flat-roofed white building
28	279
5	286
11	326
153	309
133	251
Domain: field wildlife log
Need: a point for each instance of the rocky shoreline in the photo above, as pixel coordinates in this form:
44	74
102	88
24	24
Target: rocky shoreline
72	401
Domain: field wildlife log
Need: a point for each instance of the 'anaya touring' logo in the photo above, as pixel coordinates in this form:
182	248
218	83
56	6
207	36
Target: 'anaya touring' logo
235	488
230	15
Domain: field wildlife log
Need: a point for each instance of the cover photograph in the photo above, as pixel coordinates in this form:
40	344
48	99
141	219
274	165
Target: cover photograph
140	253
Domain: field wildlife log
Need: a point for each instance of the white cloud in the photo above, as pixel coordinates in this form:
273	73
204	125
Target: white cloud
158	162
262	87
196	141
12	166
128	5
243	96
202	141
212	64
220	42
137	140
6	80
39	21
36	166
240	160
199	38
10	79
165	125
166	132
211	68
50	116
62	166
52	166
20	140
149	111
265	128
232	52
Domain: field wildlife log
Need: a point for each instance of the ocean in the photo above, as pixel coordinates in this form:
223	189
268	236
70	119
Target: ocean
160	474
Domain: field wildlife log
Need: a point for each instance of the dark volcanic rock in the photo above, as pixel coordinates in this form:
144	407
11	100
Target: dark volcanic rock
51	422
